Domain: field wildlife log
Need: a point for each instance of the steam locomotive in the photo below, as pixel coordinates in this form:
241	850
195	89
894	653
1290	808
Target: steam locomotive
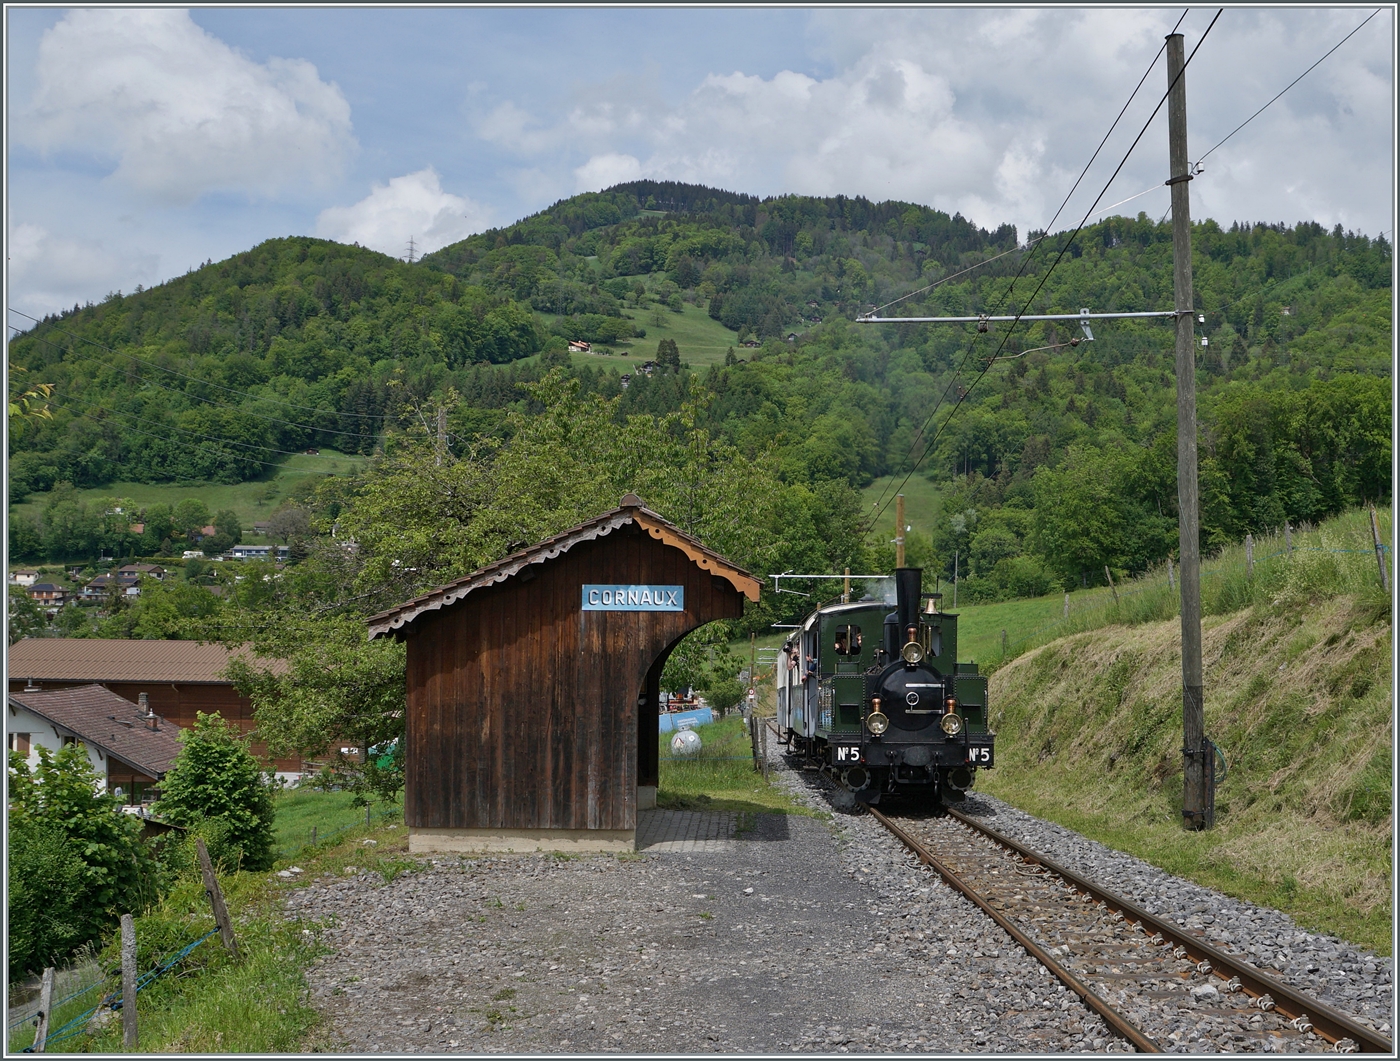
876	699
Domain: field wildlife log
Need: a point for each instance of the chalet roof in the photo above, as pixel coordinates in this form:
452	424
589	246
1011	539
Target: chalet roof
630	511
107	721
92	659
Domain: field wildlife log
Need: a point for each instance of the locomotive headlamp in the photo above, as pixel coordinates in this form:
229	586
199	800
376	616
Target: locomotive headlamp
952	724
877	722
913	652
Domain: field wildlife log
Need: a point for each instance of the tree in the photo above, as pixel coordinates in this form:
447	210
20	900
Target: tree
289	521
26	618
668	355
189	515
59	802
45	885
215	780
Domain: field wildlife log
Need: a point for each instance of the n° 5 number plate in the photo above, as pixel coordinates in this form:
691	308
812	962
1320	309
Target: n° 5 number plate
845	753
979	755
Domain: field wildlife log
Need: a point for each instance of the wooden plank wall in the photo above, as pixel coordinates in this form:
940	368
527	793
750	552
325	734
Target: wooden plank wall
523	708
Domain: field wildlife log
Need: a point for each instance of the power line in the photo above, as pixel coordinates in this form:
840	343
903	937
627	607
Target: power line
1290	84
232	408
1060	257
881	502
182	375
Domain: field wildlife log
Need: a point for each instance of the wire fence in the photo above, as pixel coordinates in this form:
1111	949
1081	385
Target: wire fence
113	1000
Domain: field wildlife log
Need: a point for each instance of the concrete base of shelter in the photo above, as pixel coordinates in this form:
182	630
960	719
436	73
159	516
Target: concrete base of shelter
646	797
520	841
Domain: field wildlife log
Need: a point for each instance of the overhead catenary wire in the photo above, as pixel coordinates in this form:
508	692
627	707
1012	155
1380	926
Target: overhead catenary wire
1290	84
1059	257
918	435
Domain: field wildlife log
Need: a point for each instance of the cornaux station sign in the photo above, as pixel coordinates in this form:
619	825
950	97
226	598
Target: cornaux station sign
634	598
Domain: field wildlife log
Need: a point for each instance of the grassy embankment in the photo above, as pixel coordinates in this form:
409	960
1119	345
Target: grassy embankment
252	501
210	1003
1298	697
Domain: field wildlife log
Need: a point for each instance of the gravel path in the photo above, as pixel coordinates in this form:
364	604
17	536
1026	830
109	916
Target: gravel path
799	935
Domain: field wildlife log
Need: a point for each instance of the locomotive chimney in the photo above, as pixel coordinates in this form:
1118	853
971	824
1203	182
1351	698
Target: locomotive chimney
908	581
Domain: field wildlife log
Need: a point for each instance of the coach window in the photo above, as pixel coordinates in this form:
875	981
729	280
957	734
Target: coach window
847	641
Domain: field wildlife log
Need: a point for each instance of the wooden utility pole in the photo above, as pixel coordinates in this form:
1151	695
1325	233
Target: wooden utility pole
899	530
1198	797
129	981
846	587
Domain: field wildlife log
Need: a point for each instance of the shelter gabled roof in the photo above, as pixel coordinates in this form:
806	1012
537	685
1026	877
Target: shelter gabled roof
630	511
107	721
95	659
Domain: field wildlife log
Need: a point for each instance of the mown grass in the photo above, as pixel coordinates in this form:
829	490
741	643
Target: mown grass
1298	697
299	810
721	776
922	503
701	340
253	500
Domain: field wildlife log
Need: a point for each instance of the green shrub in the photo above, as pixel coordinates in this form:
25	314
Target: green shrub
216	788
45	883
81	861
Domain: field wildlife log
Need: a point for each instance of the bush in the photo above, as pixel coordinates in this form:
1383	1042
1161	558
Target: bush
59	804
45	884
216	788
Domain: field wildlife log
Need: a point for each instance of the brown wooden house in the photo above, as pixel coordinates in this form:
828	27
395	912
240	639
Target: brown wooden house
534	684
179	678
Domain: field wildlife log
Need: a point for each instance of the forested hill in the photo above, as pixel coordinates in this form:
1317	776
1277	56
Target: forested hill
1058	460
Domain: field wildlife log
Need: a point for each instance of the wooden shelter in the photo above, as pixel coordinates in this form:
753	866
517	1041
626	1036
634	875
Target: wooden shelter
534	684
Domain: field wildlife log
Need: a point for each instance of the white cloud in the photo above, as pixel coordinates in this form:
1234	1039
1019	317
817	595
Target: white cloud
993	113
49	272
182	112
413	205
603	171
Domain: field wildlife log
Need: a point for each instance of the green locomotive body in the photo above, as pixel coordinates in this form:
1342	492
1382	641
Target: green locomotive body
877	699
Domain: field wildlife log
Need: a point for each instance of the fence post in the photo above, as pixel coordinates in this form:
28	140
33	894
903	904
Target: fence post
1171	582
763	747
1380	550
129	979
41	1033
1111	586
1288	537
753	741
1249	556
1066	614
313	835
1003	642
216	898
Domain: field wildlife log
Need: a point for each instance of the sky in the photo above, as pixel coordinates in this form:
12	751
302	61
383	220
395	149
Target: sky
142	142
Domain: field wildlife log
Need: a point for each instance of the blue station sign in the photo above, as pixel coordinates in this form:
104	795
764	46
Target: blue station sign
634	598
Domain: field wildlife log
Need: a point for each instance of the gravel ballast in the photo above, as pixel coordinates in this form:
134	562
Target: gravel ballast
801	935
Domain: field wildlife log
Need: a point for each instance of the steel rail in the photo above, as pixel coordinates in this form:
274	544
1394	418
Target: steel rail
1115	1019
1292	1003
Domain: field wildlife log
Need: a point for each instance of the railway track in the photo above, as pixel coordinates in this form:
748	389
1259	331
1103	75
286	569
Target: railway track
1147	977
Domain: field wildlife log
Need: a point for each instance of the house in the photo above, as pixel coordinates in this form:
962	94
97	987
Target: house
792	337
578	346
259	552
625	379
209	531
136	528
129	746
313	452
751	343
46	593
100	587
179	679
23	578
137	570
534	684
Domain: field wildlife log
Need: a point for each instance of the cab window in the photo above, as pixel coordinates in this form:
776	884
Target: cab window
847	642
